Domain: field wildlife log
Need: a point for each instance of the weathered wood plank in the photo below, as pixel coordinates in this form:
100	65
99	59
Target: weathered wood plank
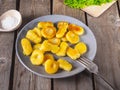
108	42
83	80
23	79
6	47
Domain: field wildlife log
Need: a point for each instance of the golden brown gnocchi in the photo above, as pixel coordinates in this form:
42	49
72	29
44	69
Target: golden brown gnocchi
61	32
31	35
73	53
37	57
81	47
55	41
48	56
47	39
63	48
62	24
76	29
48	32
37	46
41	25
64	64
37	31
51	66
72	37
26	46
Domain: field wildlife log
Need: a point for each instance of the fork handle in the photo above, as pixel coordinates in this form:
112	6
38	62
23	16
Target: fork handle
93	68
99	75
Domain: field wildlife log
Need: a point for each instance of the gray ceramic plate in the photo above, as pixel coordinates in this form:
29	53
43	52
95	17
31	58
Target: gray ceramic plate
88	38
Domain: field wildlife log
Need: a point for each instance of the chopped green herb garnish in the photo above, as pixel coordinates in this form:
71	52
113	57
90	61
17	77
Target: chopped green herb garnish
84	3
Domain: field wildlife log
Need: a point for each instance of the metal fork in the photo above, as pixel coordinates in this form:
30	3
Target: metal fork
93	68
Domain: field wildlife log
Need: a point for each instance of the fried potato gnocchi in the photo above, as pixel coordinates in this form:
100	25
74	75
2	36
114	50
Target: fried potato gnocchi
64	64
73	53
41	25
55	41
26	46
48	56
63	48
76	29
81	47
37	46
37	31
61	32
55	48
48	32
37	57
31	35
72	37
64	39
45	39
62	29
45	46
62	24
51	66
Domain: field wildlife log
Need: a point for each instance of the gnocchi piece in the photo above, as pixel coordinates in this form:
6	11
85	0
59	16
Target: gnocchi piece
26	46
55	41
73	53
44	24
64	64
31	35
48	56
55	48
37	46
62	24
61	32
81	47
48	32
45	46
37	57
63	48
64	39
51	66
37	31
76	29
72	37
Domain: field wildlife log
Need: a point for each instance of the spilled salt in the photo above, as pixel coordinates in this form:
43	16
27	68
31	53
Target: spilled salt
9	22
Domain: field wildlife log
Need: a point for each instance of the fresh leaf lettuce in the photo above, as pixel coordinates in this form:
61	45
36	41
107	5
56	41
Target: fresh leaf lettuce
84	3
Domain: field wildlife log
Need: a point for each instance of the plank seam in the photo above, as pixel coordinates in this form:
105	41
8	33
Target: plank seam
12	65
11	79
52	84
86	21
51	7
92	75
51	12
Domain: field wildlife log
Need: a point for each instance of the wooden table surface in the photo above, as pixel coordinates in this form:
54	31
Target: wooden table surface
14	76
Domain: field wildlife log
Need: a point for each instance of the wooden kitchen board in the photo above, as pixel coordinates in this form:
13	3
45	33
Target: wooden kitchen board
96	11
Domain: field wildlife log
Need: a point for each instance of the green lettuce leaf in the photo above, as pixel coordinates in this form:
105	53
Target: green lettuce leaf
84	3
